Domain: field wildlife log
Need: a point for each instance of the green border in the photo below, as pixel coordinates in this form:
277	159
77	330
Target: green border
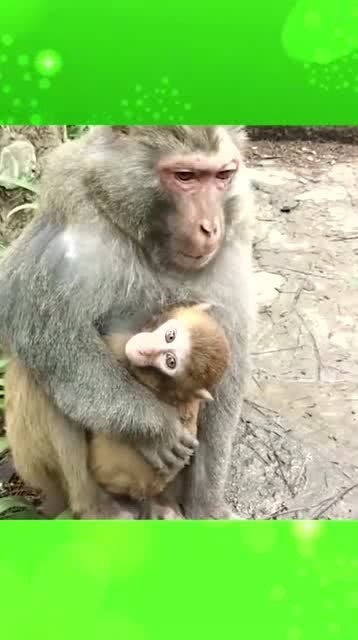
281	62
179	579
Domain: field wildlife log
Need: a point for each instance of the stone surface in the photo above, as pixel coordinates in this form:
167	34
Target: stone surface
296	453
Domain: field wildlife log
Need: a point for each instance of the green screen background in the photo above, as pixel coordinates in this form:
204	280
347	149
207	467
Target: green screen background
280	62
164	580
284	62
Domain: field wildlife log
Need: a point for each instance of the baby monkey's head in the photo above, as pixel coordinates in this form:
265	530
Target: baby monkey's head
186	346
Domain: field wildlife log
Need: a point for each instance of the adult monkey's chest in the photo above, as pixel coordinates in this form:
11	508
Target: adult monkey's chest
146	297
143	292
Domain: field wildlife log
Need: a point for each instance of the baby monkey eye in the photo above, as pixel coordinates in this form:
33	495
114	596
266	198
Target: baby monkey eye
170	335
225	175
170	361
184	176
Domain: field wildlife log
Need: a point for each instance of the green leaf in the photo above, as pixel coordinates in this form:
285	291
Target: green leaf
3	364
2	404
4	445
16	508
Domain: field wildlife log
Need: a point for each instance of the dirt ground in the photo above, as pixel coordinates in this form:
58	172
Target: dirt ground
296	455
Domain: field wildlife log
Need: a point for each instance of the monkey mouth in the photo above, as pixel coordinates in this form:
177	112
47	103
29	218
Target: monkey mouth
196	262
187	255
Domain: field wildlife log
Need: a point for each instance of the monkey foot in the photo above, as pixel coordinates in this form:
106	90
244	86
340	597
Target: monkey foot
127	509
223	512
112	509
159	511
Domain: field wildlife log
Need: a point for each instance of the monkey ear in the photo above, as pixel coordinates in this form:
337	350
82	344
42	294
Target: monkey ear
204	394
203	306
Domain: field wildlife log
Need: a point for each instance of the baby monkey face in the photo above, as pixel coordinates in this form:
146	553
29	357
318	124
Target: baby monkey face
167	348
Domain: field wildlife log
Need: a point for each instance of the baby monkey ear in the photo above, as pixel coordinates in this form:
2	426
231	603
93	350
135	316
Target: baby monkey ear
204	394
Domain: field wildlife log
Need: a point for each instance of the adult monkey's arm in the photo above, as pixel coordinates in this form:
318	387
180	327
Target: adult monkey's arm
53	286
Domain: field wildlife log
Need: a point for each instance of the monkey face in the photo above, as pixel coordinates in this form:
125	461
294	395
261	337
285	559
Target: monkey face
187	350
198	184
175	188
167	348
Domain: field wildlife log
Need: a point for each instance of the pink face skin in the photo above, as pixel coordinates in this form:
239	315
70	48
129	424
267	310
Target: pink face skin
167	348
198	183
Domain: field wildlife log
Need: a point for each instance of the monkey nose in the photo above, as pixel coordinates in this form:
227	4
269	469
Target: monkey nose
209	228
151	352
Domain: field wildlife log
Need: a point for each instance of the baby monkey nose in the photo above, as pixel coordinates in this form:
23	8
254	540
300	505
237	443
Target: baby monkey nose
151	351
209	228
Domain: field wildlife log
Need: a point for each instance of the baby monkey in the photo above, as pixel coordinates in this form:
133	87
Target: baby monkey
180	356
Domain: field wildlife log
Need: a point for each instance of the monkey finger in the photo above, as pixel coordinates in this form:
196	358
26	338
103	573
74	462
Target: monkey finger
153	459
183	453
170	459
189	441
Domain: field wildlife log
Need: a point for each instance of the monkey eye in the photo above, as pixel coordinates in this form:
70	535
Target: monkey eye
225	175
170	335
184	176
170	361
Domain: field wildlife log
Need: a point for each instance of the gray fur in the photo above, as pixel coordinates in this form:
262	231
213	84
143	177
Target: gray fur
95	255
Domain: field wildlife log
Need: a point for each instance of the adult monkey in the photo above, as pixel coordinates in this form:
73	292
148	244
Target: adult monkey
132	218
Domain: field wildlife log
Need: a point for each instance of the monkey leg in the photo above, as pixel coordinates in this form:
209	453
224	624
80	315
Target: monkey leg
166	505
55	501
158	510
205	477
36	476
27	433
87	500
121	470
39	478
50	453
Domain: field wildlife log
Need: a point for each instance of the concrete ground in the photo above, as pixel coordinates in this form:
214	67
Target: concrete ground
296	454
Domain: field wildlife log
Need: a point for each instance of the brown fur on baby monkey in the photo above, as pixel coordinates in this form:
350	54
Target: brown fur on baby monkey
180	356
